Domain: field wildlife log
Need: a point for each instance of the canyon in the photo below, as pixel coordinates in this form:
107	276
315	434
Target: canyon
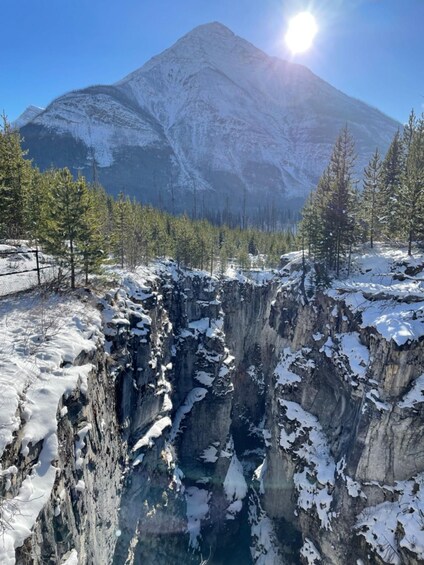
179	417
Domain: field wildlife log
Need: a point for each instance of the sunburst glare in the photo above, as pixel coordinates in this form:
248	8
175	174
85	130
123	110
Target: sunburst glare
301	32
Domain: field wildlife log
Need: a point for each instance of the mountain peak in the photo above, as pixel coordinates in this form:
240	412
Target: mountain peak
210	44
211	28
214	36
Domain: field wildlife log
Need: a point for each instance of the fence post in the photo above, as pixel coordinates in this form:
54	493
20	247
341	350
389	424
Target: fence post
38	266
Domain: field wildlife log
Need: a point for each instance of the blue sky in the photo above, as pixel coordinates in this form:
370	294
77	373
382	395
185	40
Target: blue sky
370	49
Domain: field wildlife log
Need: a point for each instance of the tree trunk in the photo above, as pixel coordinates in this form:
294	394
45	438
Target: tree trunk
72	261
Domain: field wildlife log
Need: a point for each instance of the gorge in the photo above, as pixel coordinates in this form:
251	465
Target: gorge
247	418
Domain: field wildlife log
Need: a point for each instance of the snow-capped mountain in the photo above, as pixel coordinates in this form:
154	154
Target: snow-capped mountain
211	118
27	116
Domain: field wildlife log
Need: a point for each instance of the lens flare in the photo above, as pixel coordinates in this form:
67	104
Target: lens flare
301	32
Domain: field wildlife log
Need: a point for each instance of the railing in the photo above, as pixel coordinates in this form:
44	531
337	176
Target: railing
33	273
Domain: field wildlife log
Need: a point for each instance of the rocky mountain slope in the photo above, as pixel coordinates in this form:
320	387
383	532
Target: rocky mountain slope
205	123
183	418
27	116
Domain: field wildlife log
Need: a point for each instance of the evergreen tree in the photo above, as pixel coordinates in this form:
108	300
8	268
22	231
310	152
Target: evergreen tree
121	219
314	235
341	204
133	241
186	251
15	176
38	205
67	228
307	225
390	188
158	233
104	212
412	189
409	130
90	241
243	258
328	227
370	193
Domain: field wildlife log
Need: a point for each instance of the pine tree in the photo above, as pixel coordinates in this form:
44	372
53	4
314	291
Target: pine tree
412	189
186	252
390	188
369	200
409	131
319	237
104	212
329	226
90	242
307	225
133	238
121	218
67	221
15	176
158	234
38	205
340	210
243	258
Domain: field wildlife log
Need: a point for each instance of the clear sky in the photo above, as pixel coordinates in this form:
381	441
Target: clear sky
370	49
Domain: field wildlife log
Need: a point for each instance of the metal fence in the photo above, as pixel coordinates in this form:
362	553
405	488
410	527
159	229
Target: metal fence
23	269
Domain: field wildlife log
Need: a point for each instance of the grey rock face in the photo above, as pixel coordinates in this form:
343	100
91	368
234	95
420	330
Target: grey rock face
210	118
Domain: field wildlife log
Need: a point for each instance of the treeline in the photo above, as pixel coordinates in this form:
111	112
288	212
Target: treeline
83	227
269	215
337	216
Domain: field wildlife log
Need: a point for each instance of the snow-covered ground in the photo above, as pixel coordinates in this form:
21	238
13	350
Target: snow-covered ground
384	285
389	299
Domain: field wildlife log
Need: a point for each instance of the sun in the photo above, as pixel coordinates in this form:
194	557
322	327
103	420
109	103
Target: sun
301	32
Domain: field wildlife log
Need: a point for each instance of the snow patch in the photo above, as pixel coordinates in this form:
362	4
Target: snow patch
204	378
153	433
415	395
72	559
310	552
235	487
288	360
197	501
210	454
315	482
390	526
264	539
357	354
195	395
